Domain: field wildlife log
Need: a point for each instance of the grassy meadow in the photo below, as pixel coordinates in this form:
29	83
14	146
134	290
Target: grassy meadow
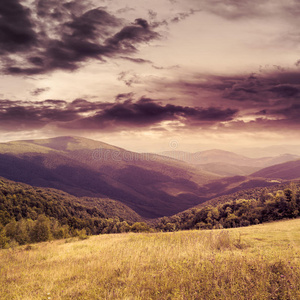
258	262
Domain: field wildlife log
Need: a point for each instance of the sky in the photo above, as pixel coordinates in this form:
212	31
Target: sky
152	76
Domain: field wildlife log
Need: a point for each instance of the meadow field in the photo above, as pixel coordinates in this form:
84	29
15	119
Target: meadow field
257	262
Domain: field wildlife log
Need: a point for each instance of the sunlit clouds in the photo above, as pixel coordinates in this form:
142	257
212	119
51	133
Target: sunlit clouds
208	74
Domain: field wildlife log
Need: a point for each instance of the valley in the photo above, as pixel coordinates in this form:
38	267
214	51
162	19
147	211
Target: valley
150	184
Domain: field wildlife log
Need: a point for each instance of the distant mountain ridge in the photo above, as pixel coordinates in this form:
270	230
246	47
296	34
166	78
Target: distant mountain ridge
227	163
275	150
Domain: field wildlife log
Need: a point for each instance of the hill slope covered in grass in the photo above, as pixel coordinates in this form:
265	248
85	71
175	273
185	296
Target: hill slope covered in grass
257	262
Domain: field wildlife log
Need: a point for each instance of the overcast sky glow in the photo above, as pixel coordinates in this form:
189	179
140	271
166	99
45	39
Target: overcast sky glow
141	74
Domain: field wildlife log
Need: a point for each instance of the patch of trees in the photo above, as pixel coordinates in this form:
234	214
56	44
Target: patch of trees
269	206
248	194
29	215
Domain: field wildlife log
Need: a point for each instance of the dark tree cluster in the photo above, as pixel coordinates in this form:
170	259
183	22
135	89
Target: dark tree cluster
268	206
29	215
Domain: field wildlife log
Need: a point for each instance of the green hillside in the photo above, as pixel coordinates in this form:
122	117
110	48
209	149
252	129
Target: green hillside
30	214
29	201
248	194
240	209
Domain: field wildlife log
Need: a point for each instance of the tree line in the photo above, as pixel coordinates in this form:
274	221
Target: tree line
268	206
30	215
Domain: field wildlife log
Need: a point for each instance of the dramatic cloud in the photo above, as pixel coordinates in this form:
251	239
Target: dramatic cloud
19	116
124	113
265	89
268	100
146	112
262	88
193	68
16	28
290	113
60	35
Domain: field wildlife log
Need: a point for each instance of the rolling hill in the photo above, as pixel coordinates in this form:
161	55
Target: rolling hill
150	184
246	194
34	201
287	171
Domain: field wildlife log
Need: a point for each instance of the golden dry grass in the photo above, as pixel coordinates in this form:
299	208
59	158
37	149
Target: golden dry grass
258	262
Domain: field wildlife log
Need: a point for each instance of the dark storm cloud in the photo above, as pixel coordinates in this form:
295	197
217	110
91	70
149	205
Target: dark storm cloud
263	88
56	34
288	115
266	88
19	115
285	90
147	112
16	28
82	114
270	98
291	113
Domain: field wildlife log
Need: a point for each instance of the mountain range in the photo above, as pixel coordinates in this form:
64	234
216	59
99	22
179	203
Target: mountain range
227	163
152	185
